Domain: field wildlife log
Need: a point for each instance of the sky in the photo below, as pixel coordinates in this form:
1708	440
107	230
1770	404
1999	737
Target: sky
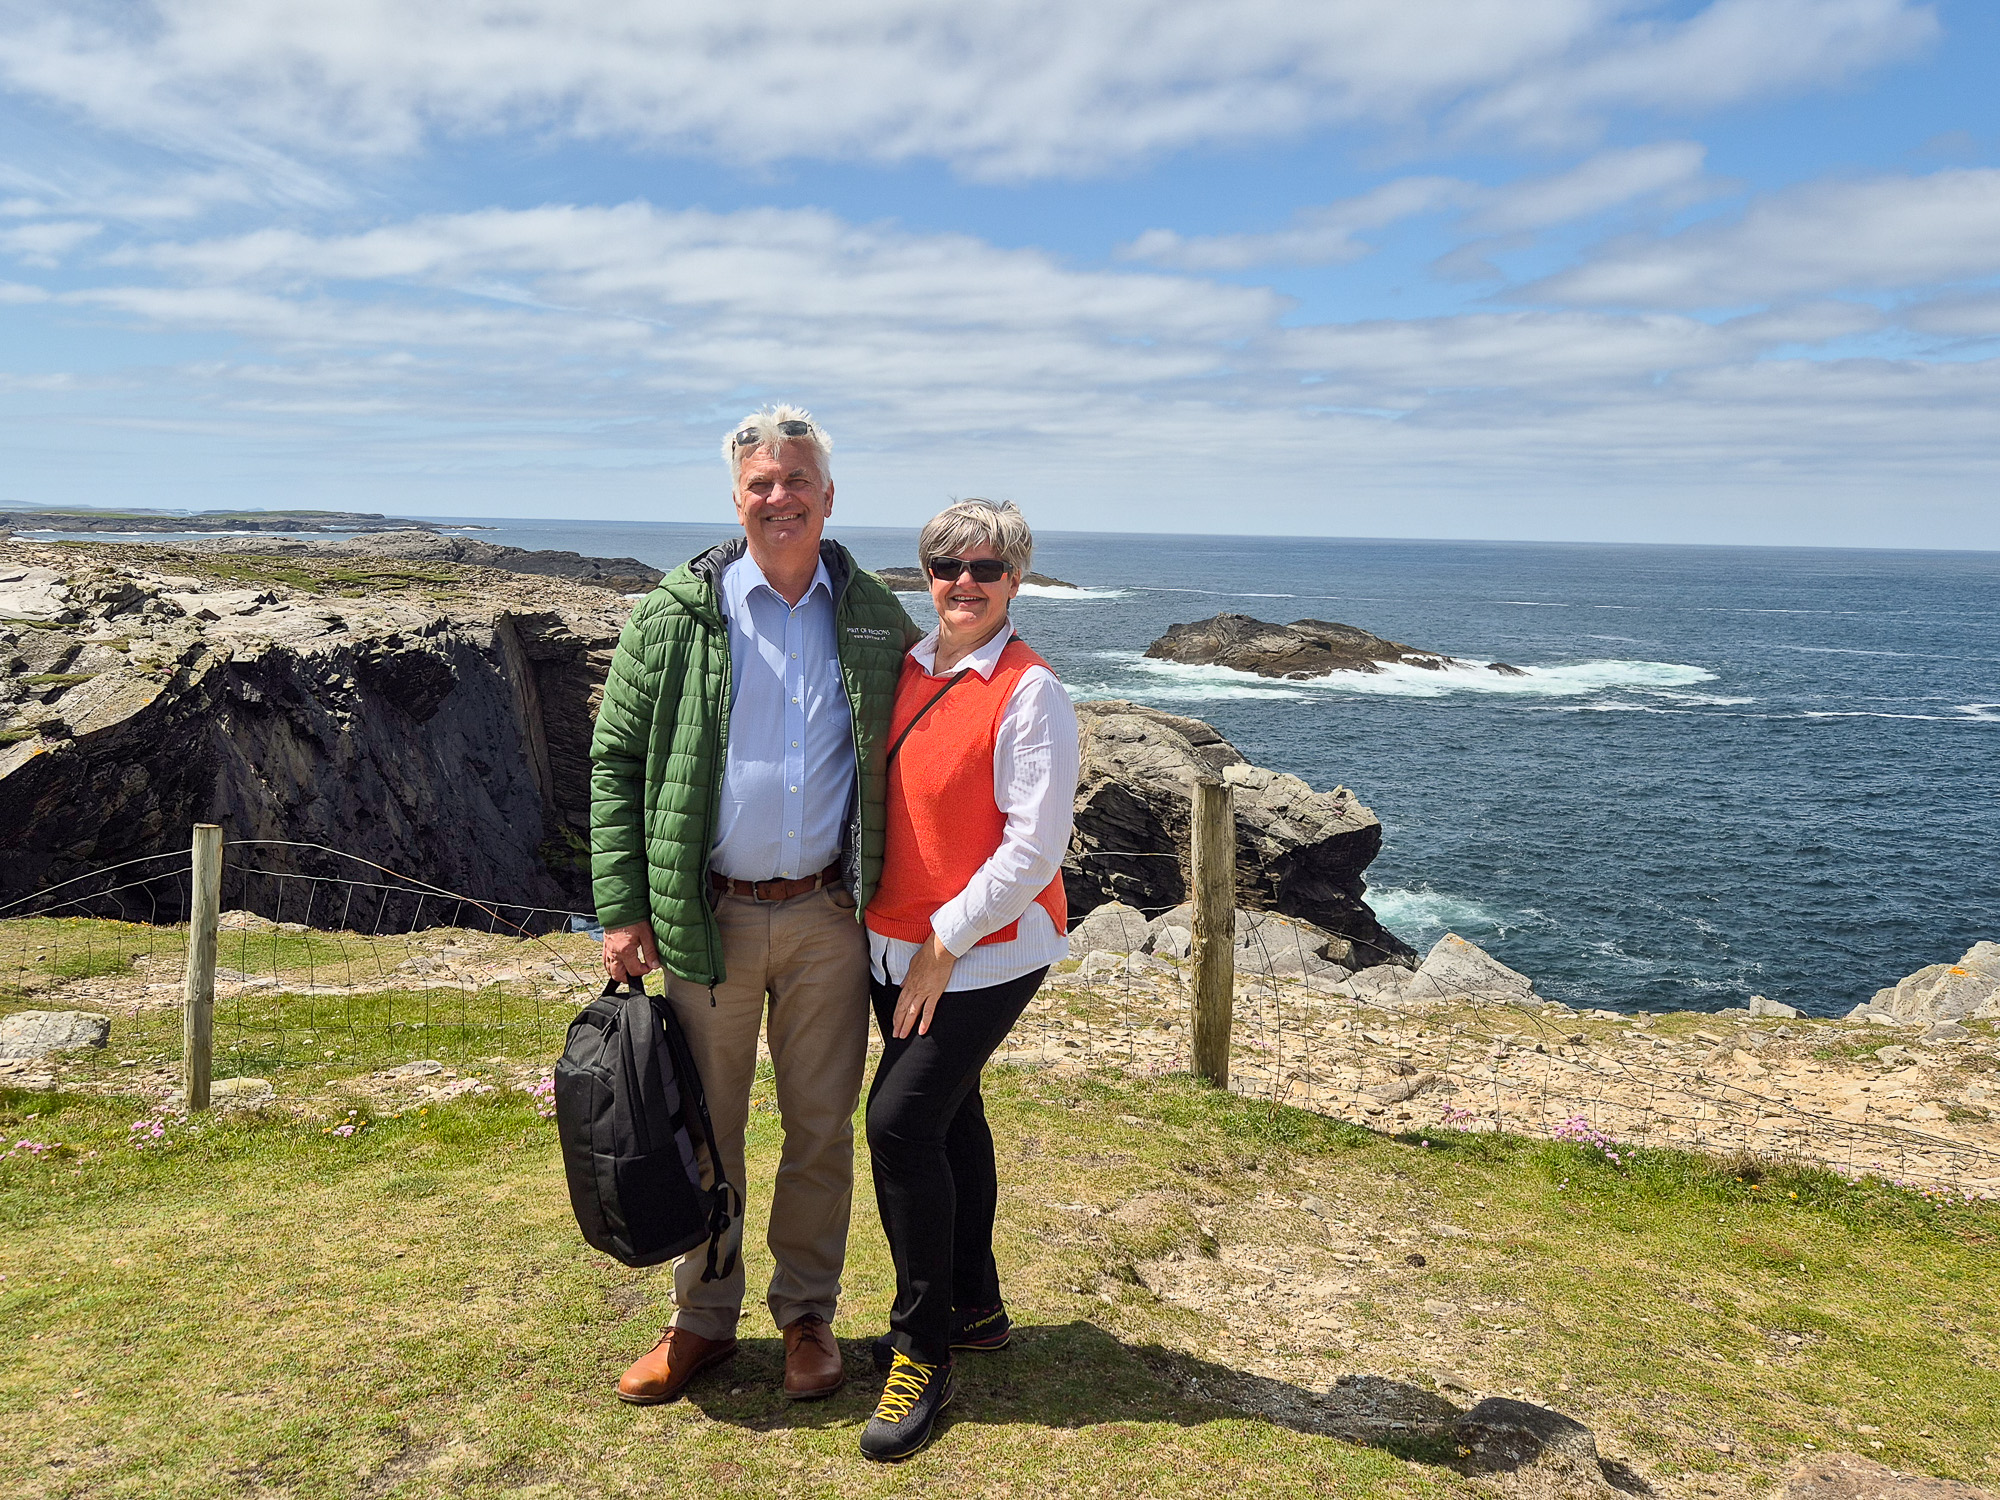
1590	270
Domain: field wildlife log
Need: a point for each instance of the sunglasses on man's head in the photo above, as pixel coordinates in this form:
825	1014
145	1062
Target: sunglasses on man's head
983	570
750	435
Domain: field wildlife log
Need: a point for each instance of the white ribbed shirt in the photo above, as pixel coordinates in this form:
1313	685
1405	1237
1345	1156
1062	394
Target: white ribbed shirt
1036	762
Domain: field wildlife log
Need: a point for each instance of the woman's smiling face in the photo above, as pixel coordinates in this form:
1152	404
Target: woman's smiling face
968	610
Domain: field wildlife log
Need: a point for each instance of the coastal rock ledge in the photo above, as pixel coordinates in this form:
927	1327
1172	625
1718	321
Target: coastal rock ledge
1302	649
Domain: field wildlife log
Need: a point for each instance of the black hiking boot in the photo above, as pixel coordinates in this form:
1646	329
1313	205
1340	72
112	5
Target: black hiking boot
912	1397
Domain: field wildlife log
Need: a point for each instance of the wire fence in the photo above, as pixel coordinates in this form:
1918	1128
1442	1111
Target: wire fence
359	970
333	967
1305	1034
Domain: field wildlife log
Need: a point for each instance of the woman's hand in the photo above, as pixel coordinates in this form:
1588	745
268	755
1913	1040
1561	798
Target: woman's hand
930	972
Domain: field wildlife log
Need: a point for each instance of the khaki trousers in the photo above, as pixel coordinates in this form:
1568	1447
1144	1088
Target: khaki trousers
805	961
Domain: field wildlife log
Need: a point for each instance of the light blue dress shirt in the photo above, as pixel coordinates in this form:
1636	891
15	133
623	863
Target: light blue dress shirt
788	779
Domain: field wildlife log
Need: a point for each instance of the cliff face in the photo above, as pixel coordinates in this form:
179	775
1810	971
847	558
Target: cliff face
438	723
436	719
1298	852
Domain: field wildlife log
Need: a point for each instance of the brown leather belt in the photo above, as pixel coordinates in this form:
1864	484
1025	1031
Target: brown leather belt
775	890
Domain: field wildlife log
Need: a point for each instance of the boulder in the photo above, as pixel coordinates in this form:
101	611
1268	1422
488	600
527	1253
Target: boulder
1111	928
1847	1476
1299	852
1304	648
32	593
1267	944
1104	964
1969	988
35	1033
1759	1006
1386	983
1502	1434
1457	967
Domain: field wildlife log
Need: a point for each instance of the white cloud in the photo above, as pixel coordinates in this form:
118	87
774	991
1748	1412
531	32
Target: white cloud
1607	180
1319	236
552	348
1729	51
45	244
1887	232
1973	315
1013	88
1330	234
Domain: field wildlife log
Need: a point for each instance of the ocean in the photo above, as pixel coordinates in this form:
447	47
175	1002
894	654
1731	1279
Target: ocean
1727	771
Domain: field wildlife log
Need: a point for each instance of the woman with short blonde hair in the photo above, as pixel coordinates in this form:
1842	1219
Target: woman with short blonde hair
969	915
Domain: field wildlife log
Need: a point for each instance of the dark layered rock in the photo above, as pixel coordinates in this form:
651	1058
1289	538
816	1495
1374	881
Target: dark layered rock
1299	852
439	730
1304	648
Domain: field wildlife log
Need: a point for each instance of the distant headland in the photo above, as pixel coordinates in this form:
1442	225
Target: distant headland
83	518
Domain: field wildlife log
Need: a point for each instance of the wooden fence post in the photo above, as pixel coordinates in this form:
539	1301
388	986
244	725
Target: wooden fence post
198	1011
1212	864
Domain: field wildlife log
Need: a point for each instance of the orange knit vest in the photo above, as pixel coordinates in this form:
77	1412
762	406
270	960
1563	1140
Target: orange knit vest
943	820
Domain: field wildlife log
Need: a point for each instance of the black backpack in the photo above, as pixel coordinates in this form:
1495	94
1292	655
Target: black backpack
628	1099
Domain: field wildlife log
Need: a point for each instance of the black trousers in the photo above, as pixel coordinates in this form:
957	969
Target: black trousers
935	1181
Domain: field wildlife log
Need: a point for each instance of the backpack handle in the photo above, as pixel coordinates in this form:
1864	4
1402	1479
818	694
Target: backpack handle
634	987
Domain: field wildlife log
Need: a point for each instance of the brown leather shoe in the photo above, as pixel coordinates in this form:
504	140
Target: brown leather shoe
812	1360
663	1373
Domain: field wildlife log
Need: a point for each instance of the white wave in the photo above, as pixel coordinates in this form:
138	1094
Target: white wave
1193	691
1534	603
1043	591
1963	713
1398	680
1703	700
1419	915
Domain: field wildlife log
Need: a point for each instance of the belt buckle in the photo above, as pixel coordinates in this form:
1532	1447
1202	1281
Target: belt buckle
757	891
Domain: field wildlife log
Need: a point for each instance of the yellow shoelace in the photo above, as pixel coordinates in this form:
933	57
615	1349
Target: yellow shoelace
906	1382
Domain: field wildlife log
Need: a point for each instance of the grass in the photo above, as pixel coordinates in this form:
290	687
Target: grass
254	1305
320	577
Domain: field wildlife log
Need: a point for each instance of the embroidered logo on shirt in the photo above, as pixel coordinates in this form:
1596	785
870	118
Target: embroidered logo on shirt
867	633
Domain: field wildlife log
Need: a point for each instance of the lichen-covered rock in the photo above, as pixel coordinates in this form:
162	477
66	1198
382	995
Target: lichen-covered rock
1847	1476
1969	988
1504	1434
1457	967
1299	852
1112	928
36	1033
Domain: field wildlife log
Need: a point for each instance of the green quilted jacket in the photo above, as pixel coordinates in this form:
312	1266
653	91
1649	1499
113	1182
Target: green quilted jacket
658	750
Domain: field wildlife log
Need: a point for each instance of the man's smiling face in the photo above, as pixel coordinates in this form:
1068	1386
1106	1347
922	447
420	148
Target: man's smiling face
782	500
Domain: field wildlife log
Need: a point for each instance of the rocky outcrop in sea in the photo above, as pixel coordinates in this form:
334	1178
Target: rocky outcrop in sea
1302	649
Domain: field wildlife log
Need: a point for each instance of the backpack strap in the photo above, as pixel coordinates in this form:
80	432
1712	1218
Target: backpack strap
725	1202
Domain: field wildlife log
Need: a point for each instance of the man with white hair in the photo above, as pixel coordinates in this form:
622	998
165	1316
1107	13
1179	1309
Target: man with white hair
737	821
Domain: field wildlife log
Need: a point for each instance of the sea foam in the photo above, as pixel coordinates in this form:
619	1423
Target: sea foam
1398	680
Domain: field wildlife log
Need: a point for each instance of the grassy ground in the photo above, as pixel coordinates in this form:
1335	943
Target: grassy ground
259	1306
